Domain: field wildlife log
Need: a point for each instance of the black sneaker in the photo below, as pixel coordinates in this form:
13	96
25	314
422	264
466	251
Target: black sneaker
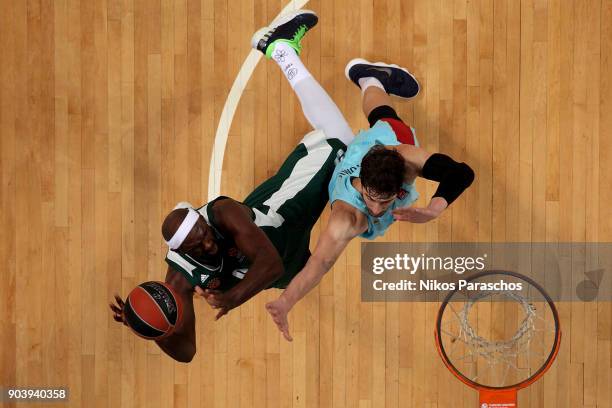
289	29
396	80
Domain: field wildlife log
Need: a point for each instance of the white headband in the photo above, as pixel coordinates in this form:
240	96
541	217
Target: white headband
184	230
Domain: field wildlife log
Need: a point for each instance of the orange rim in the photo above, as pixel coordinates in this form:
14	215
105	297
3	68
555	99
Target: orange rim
525	383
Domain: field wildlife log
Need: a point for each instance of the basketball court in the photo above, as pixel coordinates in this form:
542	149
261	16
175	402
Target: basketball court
112	111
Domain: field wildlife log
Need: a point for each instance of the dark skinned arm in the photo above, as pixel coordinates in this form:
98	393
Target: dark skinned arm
266	265
181	345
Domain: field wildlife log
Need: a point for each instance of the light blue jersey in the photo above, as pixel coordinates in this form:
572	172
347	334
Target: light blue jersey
341	188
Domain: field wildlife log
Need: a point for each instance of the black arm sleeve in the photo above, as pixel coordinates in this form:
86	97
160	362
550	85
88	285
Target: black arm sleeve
453	177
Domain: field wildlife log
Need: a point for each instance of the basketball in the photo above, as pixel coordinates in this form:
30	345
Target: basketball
152	310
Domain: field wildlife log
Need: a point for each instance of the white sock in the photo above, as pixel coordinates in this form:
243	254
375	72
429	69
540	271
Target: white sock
321	111
290	63
366	82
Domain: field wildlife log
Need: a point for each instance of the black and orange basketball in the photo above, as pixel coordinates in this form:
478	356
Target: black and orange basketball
152	310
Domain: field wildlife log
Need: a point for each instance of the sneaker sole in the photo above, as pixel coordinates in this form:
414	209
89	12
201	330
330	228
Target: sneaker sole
278	22
356	61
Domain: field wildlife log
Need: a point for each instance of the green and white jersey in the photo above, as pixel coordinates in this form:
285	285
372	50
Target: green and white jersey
220	271
285	207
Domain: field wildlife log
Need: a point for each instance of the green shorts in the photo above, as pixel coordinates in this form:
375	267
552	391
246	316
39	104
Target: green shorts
287	205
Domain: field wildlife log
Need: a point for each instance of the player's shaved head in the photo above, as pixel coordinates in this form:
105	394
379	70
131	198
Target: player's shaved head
173	222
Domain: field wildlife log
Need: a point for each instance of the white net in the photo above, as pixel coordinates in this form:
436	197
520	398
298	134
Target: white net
498	351
497	338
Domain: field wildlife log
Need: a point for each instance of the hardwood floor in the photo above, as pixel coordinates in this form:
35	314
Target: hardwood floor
108	114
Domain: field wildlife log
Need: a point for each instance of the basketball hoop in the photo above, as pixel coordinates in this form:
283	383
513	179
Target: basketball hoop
497	356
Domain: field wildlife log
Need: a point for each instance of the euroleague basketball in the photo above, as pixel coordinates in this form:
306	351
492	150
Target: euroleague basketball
152	310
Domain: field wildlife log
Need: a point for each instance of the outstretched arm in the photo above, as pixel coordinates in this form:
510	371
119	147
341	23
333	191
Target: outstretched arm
266	265
181	344
342	227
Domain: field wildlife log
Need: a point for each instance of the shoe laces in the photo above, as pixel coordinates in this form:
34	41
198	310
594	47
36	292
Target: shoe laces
297	37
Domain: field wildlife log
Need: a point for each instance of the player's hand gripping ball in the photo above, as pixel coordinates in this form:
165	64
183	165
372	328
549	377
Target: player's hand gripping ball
152	310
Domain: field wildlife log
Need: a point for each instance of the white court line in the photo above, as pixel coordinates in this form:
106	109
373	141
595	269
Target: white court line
229	109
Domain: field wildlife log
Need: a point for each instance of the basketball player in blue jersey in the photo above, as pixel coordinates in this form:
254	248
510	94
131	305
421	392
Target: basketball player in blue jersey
374	183
228	251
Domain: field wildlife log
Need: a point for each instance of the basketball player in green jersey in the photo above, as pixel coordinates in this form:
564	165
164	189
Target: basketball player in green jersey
228	251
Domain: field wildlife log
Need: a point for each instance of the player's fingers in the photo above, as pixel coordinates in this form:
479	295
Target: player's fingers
403	213
213	301
277	322
221	313
199	291
272	310
119	300
114	308
404	210
283	326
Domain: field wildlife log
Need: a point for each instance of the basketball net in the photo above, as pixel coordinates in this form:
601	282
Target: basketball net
495	351
495	355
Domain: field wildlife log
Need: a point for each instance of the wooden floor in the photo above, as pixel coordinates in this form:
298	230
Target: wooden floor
108	114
